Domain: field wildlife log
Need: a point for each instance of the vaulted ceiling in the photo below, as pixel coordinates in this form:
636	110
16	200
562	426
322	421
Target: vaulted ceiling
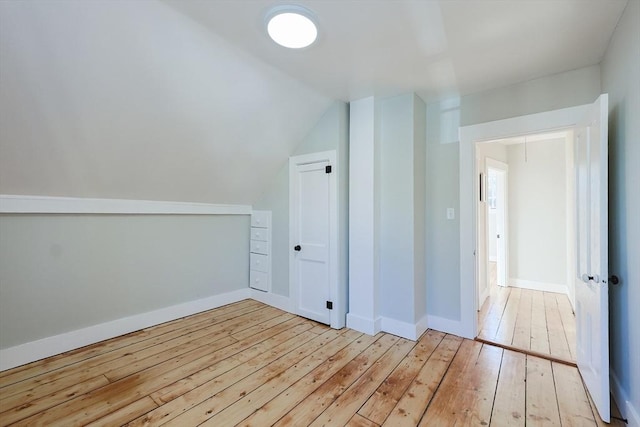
189	100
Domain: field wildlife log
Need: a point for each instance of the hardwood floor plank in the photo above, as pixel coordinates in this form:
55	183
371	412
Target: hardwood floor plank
126	413
522	330
129	389
558	345
542	404
491	323
190	391
539	334
573	402
48	382
296	393
507	326
18	407
308	410
468	389
509	404
188	343
250	349
346	406
359	421
568	322
252	401
412	405
69	358
253	365
209	407
385	398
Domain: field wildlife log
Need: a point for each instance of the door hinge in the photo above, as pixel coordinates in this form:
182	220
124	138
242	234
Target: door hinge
327	169
330	305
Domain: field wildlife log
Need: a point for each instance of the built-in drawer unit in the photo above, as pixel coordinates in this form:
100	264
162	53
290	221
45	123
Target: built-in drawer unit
260	251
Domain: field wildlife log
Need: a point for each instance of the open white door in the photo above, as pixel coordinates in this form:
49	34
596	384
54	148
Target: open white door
501	226
592	287
312	235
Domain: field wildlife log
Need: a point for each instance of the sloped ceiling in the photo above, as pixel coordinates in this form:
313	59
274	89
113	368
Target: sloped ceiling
188	100
134	100
437	48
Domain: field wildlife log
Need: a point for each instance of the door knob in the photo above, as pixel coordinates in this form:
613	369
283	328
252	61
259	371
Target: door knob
585	278
297	248
614	280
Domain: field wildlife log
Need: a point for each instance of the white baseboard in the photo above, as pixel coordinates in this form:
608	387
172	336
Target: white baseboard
50	346
631	413
410	331
538	286
364	325
274	300
448	326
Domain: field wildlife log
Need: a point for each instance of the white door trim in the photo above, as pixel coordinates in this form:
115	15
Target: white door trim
469	135
503	167
335	295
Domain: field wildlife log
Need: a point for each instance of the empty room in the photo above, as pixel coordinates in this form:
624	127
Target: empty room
338	213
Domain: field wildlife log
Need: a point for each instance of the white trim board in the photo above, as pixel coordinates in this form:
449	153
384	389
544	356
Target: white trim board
539	286
50	346
437	323
274	300
19	204
631	413
364	325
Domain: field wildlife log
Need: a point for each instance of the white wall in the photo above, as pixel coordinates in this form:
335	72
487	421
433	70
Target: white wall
60	273
537	200
620	71
562	90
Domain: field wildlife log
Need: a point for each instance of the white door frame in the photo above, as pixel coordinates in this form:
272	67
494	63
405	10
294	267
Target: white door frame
334	291
469	135
504	168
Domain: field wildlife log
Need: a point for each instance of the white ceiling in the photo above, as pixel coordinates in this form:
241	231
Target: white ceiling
437	48
189	100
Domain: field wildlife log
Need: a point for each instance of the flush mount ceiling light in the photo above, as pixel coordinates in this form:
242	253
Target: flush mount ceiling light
292	27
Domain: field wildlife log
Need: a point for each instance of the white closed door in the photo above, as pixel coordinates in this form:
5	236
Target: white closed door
310	199
592	280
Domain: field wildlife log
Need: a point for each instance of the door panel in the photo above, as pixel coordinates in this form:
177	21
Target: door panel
592	291
311	233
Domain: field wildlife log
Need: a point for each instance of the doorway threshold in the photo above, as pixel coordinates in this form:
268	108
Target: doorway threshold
529	352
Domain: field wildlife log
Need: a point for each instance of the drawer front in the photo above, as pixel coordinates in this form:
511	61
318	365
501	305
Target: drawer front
259	247
259	234
259	262
259	280
260	219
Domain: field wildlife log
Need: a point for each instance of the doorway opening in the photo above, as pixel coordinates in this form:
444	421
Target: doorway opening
525	227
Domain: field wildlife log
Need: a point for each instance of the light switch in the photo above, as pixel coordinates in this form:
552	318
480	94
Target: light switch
451	213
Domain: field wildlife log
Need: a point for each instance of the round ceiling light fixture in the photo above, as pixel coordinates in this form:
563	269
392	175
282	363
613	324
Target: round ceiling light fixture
291	27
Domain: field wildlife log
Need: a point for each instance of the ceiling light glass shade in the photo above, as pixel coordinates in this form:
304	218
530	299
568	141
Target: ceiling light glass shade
291	29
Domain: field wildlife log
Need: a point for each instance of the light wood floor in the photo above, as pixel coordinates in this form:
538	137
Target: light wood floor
541	322
252	365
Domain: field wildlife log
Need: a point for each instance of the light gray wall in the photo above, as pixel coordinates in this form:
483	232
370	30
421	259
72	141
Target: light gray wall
330	133
135	100
402	169
620	78
442	235
562	90
59	273
537	198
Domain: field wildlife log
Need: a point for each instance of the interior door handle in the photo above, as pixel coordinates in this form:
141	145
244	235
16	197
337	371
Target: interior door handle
586	278
297	248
